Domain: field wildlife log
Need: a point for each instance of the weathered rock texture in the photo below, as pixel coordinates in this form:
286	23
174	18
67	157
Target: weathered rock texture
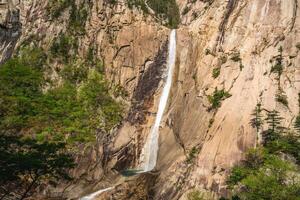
255	30
10	28
241	38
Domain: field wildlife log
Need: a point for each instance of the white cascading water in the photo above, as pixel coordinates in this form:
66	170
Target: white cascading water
150	150
149	155
93	195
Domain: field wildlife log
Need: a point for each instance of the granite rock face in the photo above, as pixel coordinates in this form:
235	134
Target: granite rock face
10	28
230	45
242	40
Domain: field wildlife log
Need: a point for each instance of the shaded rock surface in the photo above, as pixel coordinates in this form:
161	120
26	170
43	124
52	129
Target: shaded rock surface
10	29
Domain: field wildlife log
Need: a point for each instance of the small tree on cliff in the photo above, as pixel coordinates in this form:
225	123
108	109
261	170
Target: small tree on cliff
257	120
273	133
297	121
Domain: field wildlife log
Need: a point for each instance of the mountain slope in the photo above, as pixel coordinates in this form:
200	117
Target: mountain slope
231	55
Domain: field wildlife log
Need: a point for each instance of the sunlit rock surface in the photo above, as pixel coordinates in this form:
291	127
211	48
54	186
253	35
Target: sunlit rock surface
211	35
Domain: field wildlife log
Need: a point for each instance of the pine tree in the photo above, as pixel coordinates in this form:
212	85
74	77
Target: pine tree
257	121
278	66
281	97
297	121
297	124
273	120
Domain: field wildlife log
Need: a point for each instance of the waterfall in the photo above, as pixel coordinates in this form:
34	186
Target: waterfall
150	150
93	195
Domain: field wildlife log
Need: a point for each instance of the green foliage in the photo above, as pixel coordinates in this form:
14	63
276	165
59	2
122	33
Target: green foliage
75	73
27	163
298	46
166	9
169	9
254	158
32	56
195	195
186	10
297	121
138	4
62	113
257	120
281	98
113	2
53	120
192	155
56	7
216	72
78	18
278	64
236	57
118	91
63	46
94	94
195	15
210	123
208	52
216	98
223	59
238	173
19	88
90	55
268	179
241	66
266	173
273	120
288	144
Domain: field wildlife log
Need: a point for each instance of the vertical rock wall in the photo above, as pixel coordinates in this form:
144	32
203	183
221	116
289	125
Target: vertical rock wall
238	38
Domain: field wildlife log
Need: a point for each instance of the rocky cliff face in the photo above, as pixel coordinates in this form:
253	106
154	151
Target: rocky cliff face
230	46
10	28
240	41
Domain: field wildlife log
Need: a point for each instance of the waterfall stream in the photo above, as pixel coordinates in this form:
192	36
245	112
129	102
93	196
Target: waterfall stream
150	150
93	195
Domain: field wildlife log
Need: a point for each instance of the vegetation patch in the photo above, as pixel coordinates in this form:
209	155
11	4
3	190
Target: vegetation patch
64	48
257	120
26	163
167	10
78	18
272	170
75	109
41	128
186	10
217	97
195	195
211	122
140	4
277	66
281	98
192	155
216	72
236	57
56	7
298	46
